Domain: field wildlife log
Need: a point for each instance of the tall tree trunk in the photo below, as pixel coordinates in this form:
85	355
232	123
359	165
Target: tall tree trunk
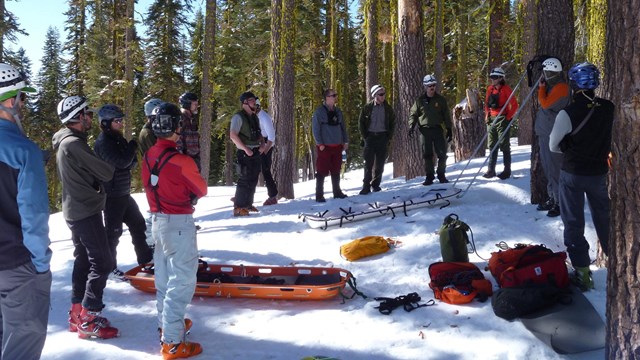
497	19
371	78
462	25
282	36
551	16
439	41
128	67
206	91
333	44
621	84
411	70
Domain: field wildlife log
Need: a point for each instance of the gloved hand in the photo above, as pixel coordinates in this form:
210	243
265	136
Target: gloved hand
449	135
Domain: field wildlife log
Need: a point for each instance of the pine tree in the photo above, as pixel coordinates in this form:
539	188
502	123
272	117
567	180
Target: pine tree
165	20
9	28
50	81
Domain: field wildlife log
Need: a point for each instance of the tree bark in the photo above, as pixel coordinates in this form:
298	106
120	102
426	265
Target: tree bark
551	16
206	90
621	84
282	106
411	70
439	41
371	77
128	66
469	127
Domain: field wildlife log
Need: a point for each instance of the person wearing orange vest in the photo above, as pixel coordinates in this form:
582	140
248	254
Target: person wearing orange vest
497	94
553	96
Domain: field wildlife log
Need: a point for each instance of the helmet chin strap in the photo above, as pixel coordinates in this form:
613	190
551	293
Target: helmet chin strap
15	111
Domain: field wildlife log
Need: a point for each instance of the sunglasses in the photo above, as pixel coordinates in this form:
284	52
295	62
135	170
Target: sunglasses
332	95
381	94
23	97
431	86
118	120
495	77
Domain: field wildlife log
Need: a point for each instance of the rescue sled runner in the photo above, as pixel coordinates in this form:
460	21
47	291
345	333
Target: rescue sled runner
400	204
260	282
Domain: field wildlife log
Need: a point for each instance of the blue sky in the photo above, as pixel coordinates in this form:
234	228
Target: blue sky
36	16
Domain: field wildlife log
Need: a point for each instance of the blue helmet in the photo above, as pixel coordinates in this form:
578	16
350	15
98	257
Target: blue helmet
584	76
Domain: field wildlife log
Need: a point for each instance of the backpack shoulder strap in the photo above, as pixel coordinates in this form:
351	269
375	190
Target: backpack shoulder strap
154	172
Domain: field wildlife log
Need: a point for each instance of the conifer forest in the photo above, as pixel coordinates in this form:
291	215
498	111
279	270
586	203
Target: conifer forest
288	52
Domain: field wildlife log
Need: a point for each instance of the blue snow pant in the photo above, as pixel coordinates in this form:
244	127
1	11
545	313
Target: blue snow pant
176	264
25	298
572	192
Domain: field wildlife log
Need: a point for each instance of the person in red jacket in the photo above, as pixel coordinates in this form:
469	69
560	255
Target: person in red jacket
173	185
497	95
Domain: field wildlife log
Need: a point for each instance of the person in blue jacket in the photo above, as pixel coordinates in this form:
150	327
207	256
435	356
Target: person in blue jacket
25	277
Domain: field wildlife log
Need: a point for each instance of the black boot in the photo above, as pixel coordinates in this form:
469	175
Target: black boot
335	183
366	189
491	172
554	211
442	179
545	206
428	180
320	188
506	173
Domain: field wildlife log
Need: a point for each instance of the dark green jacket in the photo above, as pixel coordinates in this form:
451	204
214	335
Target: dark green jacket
430	112
365	119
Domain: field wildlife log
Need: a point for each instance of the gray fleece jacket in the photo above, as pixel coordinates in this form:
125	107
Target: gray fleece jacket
81	173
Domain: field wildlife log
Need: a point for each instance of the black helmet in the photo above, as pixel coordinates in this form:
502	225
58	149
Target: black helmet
167	120
107	113
246	96
186	99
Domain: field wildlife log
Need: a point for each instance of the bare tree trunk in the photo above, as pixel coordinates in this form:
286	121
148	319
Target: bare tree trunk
411	69
371	69
497	20
439	41
551	16
469	127
284	166
621	84
128	65
206	91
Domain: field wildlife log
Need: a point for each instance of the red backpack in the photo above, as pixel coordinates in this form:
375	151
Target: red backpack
458	282
529	264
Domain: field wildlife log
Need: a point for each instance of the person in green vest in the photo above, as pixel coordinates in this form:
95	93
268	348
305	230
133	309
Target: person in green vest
246	135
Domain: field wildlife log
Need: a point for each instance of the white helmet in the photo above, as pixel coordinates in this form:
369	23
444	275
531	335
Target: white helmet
429	80
70	106
12	81
497	72
375	89
552	64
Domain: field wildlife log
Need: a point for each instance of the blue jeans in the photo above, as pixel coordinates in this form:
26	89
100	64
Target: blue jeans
25	301
572	190
176	264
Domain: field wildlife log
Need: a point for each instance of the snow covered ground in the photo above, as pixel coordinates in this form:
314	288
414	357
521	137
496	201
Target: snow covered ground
274	329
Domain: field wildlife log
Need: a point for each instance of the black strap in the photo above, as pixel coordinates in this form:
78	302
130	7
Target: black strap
582	124
157	166
408	302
